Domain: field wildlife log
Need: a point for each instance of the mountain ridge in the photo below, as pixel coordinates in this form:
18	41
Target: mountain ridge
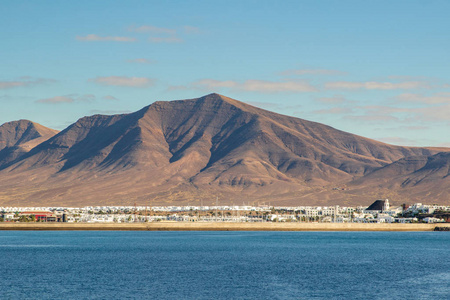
189	150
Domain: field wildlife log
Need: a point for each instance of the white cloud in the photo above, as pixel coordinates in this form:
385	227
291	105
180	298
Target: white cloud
152	29
439	113
56	100
24	81
437	98
374	85
140	61
170	39
11	84
312	72
140	82
262	86
97	38
67	99
411	78
163	34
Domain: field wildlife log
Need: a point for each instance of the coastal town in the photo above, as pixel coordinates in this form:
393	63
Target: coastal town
379	211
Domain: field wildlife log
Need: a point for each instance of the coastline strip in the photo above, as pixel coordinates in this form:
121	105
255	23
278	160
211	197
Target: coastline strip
219	226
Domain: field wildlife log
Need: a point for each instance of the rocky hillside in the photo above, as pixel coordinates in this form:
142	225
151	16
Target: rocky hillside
191	150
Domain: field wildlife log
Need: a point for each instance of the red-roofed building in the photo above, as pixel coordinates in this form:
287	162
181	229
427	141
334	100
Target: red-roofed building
42	216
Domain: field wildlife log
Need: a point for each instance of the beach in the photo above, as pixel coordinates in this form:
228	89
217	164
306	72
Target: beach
223	226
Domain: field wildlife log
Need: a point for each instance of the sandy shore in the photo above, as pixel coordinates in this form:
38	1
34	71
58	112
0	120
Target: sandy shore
200	226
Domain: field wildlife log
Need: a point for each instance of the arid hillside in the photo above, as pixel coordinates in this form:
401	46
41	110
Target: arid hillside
192	151
19	137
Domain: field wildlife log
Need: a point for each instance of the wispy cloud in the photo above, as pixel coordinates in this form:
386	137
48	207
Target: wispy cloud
140	61
373	118
312	72
411	78
374	85
445	144
267	105
395	140
56	100
67	99
213	84
109	97
25	81
152	29
108	112
262	86
439	113
169	39
274	87
177	88
437	98
403	128
191	29
337	99
403	141
334	110
97	38
138	82
11	84
159	35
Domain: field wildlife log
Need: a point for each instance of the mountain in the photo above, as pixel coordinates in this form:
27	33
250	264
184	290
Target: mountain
416	176
188	151
19	137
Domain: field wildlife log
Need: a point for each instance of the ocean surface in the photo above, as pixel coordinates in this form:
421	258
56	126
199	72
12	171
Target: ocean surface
224	265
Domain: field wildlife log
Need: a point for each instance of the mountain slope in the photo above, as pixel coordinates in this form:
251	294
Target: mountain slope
19	137
418	176
192	150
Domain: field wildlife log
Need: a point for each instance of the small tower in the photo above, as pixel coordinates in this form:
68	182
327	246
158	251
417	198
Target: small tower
386	205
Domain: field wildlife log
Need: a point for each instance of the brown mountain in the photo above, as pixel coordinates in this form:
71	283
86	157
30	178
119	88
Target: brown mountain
189	151
19	137
417	177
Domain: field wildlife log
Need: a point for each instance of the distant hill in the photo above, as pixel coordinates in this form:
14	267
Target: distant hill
188	151
19	137
422	177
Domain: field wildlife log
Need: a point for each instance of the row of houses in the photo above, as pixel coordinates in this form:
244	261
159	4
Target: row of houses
378	212
37	216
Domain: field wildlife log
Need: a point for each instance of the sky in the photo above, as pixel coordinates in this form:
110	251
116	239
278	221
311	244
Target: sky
380	69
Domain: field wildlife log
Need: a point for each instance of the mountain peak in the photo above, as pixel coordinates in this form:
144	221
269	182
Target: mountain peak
219	97
19	132
19	137
207	102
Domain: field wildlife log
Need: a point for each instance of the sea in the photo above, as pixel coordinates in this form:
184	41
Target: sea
224	265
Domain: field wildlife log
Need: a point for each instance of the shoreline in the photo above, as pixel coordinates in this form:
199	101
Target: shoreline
211	226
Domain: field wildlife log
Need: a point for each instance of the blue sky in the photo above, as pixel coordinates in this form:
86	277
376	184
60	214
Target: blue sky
379	69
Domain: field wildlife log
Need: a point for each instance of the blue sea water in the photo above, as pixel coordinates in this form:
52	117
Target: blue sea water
224	265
